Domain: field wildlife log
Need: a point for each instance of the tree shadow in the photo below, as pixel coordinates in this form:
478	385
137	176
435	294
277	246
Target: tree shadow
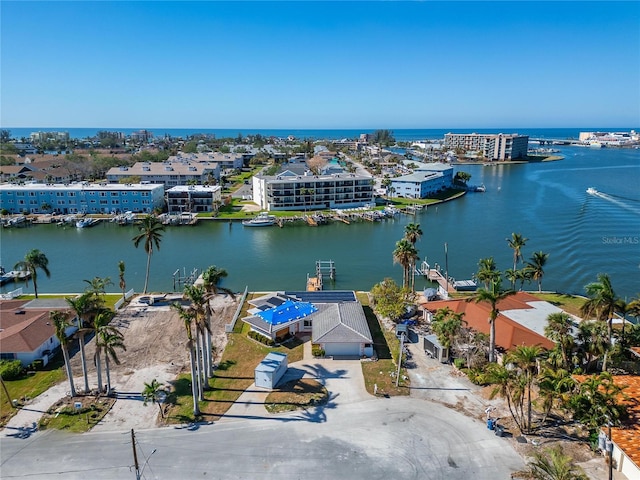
226	365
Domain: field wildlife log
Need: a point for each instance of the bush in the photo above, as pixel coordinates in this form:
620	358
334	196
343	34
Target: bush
10	369
316	351
37	364
459	363
261	338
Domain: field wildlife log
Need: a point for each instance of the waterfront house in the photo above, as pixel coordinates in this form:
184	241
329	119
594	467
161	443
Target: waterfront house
427	179
81	197
521	320
26	331
335	320
288	191
193	198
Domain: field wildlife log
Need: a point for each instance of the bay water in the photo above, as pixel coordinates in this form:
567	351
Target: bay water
546	202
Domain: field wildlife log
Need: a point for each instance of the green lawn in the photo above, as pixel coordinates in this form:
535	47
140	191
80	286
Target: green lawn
234	375
569	303
30	386
382	372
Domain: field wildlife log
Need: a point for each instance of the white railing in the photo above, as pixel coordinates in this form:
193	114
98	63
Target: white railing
228	328
12	294
120	302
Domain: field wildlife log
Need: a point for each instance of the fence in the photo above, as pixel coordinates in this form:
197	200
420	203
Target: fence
12	294
120	302
228	328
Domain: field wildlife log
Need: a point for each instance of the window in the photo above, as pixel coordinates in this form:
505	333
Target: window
72	194
32	194
308	323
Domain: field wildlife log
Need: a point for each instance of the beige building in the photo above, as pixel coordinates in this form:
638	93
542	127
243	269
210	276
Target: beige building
167	173
498	147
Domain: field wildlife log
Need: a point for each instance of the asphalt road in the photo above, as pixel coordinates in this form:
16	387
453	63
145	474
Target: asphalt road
395	438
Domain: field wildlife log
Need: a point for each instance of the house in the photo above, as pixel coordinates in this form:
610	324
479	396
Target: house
521	320
335	319
26	331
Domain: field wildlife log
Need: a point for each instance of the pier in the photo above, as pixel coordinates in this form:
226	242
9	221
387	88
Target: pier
182	279
323	268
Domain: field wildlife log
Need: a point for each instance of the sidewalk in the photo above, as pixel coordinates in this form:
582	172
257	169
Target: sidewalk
25	421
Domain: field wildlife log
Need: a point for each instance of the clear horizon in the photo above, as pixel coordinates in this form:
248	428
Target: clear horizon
314	65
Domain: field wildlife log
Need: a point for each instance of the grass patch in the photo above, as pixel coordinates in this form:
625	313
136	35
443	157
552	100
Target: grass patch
235	375
295	395
110	299
382	372
64	416
569	303
30	386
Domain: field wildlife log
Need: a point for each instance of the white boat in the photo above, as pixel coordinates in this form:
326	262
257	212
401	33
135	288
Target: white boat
263	219
86	222
592	191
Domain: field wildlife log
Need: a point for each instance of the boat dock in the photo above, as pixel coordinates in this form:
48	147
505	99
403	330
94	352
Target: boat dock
323	268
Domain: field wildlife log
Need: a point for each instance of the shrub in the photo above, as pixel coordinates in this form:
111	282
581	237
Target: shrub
37	364
10	369
459	363
317	351
261	338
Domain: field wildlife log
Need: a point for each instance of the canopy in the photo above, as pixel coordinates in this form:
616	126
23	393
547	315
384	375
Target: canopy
287	311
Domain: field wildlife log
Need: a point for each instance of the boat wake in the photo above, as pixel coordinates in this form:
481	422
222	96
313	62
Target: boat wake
615	199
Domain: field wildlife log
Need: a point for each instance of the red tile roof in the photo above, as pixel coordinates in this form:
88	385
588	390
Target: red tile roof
509	333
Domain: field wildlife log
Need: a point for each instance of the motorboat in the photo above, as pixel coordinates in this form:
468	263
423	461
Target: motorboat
263	219
592	191
86	222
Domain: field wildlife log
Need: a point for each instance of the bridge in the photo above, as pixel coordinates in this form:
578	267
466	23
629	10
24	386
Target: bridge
555	141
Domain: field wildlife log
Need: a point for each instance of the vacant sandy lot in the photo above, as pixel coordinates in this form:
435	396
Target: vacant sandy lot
155	339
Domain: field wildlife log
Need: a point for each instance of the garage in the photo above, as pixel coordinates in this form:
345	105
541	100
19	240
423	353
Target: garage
341	349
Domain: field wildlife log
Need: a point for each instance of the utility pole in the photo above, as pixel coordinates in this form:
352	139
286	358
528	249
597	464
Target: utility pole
446	265
400	358
609	445
6	392
135	455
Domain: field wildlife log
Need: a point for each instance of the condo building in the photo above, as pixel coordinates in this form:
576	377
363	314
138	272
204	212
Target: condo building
289	191
495	147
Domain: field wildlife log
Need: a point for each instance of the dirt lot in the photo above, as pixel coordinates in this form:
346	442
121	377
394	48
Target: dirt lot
156	348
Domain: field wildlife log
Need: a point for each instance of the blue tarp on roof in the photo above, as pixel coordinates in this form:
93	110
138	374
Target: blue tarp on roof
286	312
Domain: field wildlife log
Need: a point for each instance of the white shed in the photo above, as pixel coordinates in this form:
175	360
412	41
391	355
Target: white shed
269	372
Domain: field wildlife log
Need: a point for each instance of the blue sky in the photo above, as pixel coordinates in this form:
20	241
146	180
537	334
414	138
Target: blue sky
320	64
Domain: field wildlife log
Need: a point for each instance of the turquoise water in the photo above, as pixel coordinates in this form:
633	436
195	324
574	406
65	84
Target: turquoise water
546	202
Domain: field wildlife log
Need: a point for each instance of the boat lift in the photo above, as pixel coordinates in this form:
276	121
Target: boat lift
182	279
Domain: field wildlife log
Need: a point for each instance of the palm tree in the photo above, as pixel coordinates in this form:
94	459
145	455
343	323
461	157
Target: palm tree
153	392
61	323
187	316
593	342
34	260
487	271
151	232
97	289
83	306
199	301
553	464
512	277
538	261
559	329
516	242
525	359
412	232
491	297
123	283
102	329
405	254
211	278
110	339
602	303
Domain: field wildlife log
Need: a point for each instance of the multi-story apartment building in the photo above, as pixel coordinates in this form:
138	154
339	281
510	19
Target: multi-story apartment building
167	173
81	197
49	136
428	179
498	146
193	198
230	161
288	191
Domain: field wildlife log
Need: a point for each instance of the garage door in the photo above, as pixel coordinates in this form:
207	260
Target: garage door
341	349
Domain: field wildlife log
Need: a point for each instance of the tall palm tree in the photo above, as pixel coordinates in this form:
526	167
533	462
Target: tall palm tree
187	316
516	242
102	328
412	232
405	254
559	329
536	265
83	306
97	289
602	304
593	342
123	283
211	278
110	339
491	297
525	359
61	323
199	300
151	233
33	261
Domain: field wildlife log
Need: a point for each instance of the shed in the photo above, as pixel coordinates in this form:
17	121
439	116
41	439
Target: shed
434	349
269	372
